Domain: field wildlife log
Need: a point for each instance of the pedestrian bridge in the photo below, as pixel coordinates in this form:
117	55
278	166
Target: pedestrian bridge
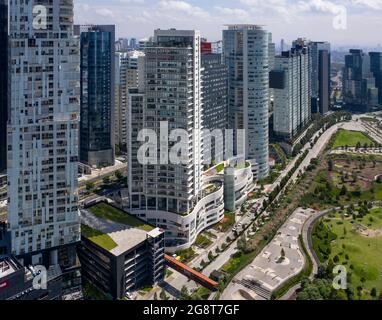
191	273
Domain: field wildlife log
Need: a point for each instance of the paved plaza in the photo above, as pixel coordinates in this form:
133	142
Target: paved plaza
278	262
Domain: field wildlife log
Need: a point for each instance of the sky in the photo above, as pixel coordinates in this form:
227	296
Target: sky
342	22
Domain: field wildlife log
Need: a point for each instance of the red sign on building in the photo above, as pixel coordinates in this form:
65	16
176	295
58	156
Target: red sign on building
4	285
206	47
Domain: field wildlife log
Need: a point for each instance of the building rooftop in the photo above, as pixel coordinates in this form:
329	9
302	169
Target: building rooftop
113	229
8	266
245	26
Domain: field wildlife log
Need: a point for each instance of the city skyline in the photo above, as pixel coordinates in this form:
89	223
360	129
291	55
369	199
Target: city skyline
284	18
166	150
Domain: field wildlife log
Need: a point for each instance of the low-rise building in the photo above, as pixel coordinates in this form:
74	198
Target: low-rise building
120	253
17	282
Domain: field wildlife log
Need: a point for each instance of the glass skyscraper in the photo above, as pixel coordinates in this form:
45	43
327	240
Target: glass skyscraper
376	69
359	85
320	76
97	94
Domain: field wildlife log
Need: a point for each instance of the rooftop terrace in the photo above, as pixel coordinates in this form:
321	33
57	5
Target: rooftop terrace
113	229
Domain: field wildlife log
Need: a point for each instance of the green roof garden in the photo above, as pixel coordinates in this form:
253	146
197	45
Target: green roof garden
105	211
98	237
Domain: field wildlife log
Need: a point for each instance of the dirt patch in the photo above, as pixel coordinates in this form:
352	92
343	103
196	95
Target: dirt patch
366	232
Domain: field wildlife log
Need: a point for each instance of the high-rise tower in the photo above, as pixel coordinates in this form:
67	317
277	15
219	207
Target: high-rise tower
170	194
3	83
97	94
245	50
43	211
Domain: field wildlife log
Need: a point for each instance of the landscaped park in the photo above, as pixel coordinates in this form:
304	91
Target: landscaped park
351	233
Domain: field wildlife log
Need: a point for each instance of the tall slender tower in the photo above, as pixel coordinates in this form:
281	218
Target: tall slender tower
43	210
320	76
97	94
3	83
246	53
376	69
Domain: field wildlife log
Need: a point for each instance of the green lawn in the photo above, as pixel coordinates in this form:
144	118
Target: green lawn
104	211
350	138
99	238
220	167
201	294
186	255
361	255
202	241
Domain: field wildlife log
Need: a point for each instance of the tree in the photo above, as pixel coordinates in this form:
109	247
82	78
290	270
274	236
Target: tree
210	256
373	292
343	191
242	244
118	174
184	294
163	295
106	180
90	186
330	165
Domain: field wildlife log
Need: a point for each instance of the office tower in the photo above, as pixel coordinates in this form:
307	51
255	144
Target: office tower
320	76
163	192
215	104
217	47
271	57
144	43
246	53
290	81
122	44
282	45
3	83
376	69
359	85
271	51
133	44
129	69
97	95
43	214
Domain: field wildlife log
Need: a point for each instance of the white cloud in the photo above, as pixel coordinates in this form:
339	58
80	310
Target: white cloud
182	7
325	6
373	4
234	13
286	19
